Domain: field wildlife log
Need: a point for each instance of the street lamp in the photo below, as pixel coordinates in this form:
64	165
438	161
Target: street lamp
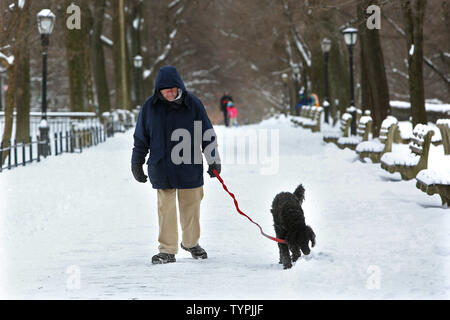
350	37
138	62
326	47
46	23
284	77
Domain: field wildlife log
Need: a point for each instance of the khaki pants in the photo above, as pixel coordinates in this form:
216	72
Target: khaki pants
189	206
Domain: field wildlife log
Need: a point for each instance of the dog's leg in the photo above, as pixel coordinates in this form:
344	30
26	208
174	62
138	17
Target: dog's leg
280	234
296	253
285	257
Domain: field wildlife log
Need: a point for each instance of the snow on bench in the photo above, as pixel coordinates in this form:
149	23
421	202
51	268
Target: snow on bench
409	164
310	118
435	181
344	129
314	122
404	133
363	131
305	114
375	148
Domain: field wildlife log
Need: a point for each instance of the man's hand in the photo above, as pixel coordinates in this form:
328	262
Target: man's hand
138	173
213	166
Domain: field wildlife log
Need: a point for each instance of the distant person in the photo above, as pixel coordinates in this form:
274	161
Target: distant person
310	101
232	113
224	107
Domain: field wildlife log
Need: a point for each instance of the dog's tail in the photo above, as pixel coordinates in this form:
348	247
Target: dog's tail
300	193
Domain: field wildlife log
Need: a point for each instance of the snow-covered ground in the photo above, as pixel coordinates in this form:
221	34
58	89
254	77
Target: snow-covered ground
80	227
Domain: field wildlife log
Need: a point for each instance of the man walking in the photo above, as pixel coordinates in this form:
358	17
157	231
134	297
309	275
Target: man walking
171	110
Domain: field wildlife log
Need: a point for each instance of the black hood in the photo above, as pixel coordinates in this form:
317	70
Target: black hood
168	77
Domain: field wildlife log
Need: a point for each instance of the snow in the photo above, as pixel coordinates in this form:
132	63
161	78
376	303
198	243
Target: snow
400	159
106	40
349	140
435	176
411	50
429	106
365	119
9	60
301	48
370	146
78	226
346	116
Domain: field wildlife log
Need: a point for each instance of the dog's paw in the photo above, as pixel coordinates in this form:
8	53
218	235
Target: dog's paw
287	266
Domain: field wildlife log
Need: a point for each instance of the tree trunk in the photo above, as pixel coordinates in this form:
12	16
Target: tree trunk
414	12
23	94
119	56
375	90
101	80
10	99
76	42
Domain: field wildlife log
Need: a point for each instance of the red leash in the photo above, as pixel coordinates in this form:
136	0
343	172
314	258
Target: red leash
240	212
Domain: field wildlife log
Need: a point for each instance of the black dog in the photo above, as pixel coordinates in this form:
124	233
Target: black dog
289	223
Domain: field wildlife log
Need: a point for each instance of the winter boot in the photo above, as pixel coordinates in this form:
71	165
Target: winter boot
197	252
162	258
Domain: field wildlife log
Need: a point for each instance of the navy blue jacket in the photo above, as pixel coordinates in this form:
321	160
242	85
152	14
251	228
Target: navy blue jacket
157	119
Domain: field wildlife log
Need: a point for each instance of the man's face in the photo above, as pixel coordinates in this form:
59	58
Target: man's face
170	94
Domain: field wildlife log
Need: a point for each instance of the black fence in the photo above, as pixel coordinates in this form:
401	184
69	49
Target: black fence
74	141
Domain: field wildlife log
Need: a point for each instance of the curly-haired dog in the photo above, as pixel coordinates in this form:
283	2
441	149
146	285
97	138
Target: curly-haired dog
289	223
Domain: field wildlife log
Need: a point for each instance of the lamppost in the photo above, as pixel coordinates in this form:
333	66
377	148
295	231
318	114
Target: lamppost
46	22
284	77
326	47
350	37
138	62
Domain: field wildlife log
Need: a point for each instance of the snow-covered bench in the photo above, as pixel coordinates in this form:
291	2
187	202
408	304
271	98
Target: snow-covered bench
444	128
408	165
344	129
305	114
314	122
310	117
375	148
435	181
363	131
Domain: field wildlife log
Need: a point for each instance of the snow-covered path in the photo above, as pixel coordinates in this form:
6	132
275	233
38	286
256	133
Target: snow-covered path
79	226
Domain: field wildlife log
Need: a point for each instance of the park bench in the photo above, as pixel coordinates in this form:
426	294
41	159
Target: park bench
314	122
306	114
410	164
436	180
344	129
404	133
444	128
363	131
374	149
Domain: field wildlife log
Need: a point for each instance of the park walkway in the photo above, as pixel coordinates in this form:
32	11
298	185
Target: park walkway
79	226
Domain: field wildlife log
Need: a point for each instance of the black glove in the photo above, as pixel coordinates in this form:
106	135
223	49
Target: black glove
138	173
213	166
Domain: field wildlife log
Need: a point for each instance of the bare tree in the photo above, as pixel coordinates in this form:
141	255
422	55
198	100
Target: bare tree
414	12
375	91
